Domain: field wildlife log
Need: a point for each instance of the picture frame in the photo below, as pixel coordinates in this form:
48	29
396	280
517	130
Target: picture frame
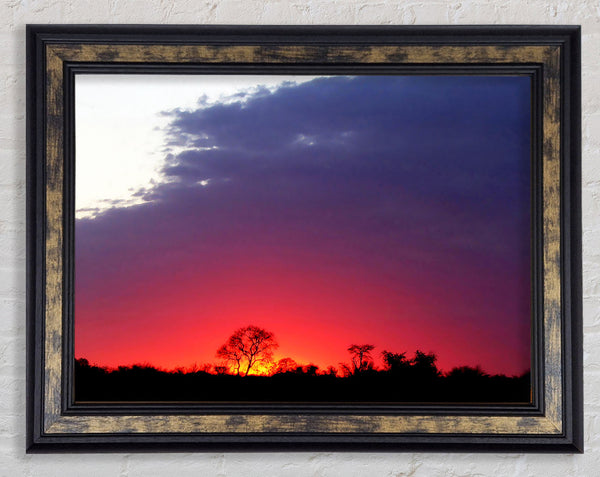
548	55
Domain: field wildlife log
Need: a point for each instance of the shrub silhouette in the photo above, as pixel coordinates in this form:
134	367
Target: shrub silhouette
401	379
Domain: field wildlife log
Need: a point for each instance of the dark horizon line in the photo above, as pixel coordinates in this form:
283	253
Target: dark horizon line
195	369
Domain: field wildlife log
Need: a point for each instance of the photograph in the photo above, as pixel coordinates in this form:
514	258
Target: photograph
303	238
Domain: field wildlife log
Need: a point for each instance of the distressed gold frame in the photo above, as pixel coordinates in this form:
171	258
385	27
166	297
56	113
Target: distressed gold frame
548	423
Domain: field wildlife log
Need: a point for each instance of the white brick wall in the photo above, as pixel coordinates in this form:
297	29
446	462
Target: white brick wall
14	14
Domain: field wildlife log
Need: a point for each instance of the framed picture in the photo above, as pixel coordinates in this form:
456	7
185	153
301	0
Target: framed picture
292	238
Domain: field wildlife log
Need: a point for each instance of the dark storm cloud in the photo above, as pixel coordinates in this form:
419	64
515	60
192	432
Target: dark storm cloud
409	153
442	131
410	166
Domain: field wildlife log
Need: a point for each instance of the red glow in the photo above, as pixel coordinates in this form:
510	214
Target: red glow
315	313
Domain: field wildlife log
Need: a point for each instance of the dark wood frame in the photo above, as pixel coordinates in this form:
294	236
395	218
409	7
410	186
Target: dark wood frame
550	55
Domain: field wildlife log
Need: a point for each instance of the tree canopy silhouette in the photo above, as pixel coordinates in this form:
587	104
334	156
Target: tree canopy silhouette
425	364
250	351
395	362
247	347
361	357
285	365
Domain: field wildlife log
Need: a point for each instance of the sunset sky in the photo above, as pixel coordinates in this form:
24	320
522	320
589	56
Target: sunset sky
384	210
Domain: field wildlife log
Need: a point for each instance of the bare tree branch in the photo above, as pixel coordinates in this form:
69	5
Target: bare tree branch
247	347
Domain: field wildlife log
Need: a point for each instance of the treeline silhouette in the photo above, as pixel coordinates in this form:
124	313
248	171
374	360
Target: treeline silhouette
249	350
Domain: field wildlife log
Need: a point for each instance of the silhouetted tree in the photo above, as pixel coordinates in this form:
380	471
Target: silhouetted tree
331	371
309	369
285	365
424	364
416	379
361	358
345	370
395	362
467	373
247	347
219	369
84	363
